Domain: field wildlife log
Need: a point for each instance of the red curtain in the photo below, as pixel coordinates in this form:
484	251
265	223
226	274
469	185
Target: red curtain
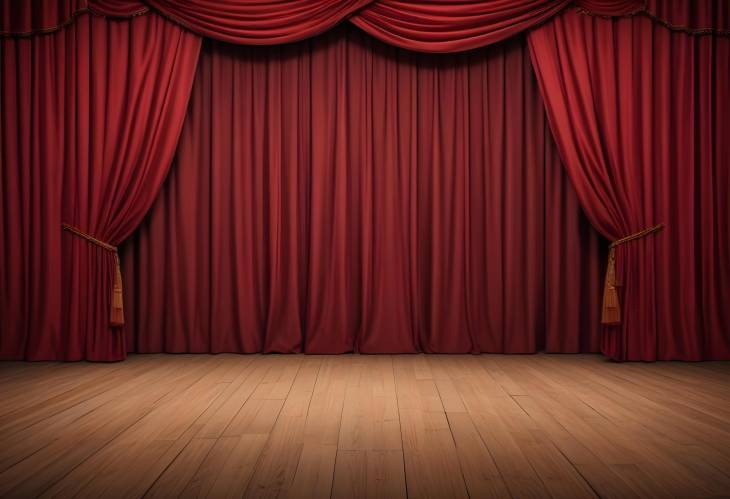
58	142
640	117
34	17
254	23
447	26
340	195
86	139
30	195
433	26
696	17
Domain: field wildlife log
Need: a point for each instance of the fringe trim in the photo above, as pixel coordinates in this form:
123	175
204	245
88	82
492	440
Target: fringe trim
52	29
644	11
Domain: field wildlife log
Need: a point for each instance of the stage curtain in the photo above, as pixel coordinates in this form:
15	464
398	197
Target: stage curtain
639	114
340	194
91	117
433	26
31	141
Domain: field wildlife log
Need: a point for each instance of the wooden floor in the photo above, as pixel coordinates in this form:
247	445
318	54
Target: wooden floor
365	426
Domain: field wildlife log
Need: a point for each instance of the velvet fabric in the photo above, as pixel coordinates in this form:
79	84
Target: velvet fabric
444	26
637	111
433	26
37	17
86	139
699	18
31	18
341	195
639	114
255	23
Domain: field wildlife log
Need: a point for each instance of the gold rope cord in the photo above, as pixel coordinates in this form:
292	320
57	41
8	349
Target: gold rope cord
70	20
611	306
116	313
644	10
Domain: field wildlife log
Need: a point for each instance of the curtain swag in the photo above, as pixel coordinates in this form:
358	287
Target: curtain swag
437	26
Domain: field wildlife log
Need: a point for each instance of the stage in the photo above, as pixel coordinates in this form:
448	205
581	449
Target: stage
365	426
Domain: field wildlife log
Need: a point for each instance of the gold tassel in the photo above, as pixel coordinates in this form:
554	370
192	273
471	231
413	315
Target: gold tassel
116	307
116	317
611	307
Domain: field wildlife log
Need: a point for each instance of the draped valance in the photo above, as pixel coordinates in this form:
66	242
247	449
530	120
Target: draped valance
432	26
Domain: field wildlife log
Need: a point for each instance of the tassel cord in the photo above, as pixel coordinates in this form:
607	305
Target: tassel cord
611	314
116	310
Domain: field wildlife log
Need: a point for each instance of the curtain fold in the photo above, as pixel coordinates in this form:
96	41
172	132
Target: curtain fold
699	18
256	23
31	107
342	195
37	17
87	139
433	26
445	26
639	114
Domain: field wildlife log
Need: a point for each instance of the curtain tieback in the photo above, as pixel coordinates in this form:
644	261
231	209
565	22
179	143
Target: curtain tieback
116	314
611	307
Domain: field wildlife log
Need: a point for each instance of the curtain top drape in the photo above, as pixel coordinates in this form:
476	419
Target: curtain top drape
427	26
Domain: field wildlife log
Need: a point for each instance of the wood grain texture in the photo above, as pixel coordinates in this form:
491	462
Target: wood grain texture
365	426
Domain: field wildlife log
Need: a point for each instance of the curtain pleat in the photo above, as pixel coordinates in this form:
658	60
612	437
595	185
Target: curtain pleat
342	195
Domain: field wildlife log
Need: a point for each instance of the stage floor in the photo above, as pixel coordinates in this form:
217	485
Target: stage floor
365	426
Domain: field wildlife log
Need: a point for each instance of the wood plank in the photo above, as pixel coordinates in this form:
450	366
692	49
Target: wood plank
431	461
315	470
365	426
369	474
277	464
369	460
176	477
